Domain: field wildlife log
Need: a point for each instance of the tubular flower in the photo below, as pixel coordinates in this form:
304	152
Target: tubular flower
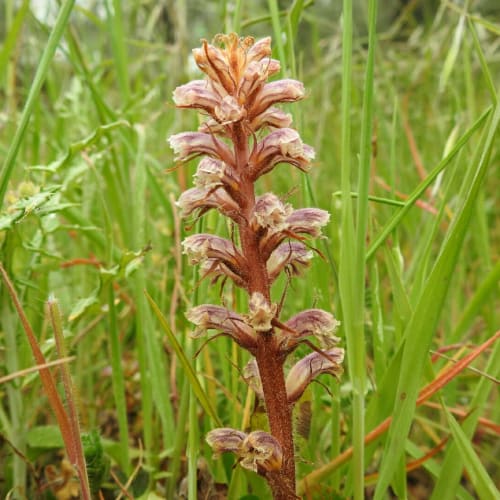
311	322
308	368
187	145
283	145
225	440
203	199
257	451
200	247
210	317
245	134
197	95
291	257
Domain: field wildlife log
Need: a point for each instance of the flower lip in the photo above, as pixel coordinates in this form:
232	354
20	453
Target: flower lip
228	110
209	173
261	452
258	451
261	313
271	213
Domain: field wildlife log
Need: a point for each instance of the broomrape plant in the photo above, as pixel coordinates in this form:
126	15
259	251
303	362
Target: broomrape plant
244	137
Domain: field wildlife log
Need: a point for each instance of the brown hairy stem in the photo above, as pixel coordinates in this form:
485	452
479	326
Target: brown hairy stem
269	360
279	414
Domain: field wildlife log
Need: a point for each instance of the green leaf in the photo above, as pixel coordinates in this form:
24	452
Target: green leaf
45	436
83	305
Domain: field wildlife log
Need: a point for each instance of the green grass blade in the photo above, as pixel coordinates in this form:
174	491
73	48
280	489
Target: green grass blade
452	55
418	334
278	31
185	362
448	480
478	475
13	31
484	65
118	381
118	44
393	222
486	289
41	72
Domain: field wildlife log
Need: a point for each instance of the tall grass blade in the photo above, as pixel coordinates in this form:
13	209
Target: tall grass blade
41	72
419	332
185	362
478	475
393	222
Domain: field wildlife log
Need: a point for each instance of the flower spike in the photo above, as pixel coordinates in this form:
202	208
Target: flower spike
245	135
